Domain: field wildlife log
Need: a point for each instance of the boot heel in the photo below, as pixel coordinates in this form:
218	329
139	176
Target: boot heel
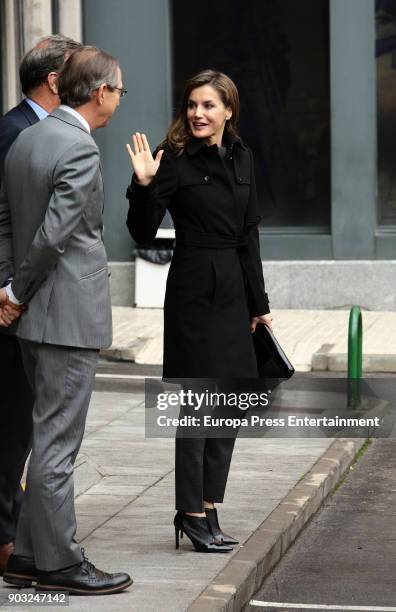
196	529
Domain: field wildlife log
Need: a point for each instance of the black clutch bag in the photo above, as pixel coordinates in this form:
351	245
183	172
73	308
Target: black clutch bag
271	358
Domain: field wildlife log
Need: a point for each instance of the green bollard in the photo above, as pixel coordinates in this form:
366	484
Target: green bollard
355	355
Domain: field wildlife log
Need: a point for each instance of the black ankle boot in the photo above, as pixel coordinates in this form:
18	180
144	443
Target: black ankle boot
197	529
215	529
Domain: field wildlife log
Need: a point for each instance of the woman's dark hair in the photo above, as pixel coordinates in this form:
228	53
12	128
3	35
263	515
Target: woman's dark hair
86	70
179	132
48	55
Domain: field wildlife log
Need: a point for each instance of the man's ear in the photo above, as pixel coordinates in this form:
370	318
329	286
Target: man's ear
52	80
99	93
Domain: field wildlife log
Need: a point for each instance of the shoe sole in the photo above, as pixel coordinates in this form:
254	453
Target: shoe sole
19	580
214	552
74	591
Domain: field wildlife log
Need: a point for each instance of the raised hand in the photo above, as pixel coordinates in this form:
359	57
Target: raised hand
143	163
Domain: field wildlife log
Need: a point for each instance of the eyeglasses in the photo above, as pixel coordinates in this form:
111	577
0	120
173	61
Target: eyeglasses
123	92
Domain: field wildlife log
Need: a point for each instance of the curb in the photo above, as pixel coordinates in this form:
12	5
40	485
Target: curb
325	360
233	587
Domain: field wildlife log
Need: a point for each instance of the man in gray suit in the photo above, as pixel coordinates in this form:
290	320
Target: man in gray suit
38	74
51	238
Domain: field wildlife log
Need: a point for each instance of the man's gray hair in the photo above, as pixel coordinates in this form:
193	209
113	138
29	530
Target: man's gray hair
84	72
47	56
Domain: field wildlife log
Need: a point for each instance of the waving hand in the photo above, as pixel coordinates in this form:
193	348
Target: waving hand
143	163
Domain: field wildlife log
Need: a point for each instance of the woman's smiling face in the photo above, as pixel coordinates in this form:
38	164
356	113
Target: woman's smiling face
207	114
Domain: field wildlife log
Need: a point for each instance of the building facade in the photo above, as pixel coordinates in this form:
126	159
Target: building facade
317	80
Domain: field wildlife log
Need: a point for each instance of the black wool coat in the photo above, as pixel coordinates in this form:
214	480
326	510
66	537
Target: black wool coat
215	282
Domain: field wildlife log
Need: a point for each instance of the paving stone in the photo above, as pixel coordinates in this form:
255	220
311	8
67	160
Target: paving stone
312	339
125	519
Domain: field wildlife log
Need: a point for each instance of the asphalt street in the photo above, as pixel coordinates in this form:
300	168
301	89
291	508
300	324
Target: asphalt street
345	559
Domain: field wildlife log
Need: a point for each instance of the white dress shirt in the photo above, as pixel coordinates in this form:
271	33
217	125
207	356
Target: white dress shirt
76	114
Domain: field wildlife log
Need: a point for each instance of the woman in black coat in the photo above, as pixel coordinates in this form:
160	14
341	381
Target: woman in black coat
203	174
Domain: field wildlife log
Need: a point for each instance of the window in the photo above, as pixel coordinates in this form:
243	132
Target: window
277	52
386	110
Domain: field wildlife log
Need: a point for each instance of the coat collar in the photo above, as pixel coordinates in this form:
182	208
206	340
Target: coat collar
195	145
63	115
29	113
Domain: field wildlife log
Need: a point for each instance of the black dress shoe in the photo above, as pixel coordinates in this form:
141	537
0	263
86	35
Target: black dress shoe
20	571
215	529
197	529
83	579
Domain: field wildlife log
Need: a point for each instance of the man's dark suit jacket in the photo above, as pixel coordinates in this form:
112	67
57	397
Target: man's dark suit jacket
13	122
17	400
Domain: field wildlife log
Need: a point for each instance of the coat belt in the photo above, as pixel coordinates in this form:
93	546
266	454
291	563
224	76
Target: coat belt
219	241
209	241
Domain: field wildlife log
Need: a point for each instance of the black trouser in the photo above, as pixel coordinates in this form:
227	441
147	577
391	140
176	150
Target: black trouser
16	403
202	459
201	471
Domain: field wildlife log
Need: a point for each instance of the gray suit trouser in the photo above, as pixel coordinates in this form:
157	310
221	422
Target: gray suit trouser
62	379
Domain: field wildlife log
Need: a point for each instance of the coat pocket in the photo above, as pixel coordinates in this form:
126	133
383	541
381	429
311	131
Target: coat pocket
93	260
214	284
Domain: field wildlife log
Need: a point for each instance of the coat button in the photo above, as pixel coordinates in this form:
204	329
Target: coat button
240	179
206	179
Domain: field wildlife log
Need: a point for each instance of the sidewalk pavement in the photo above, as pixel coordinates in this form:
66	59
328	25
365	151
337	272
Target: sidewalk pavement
125	507
125	482
312	339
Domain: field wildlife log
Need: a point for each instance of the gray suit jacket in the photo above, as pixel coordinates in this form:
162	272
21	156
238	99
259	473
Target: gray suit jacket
51	229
